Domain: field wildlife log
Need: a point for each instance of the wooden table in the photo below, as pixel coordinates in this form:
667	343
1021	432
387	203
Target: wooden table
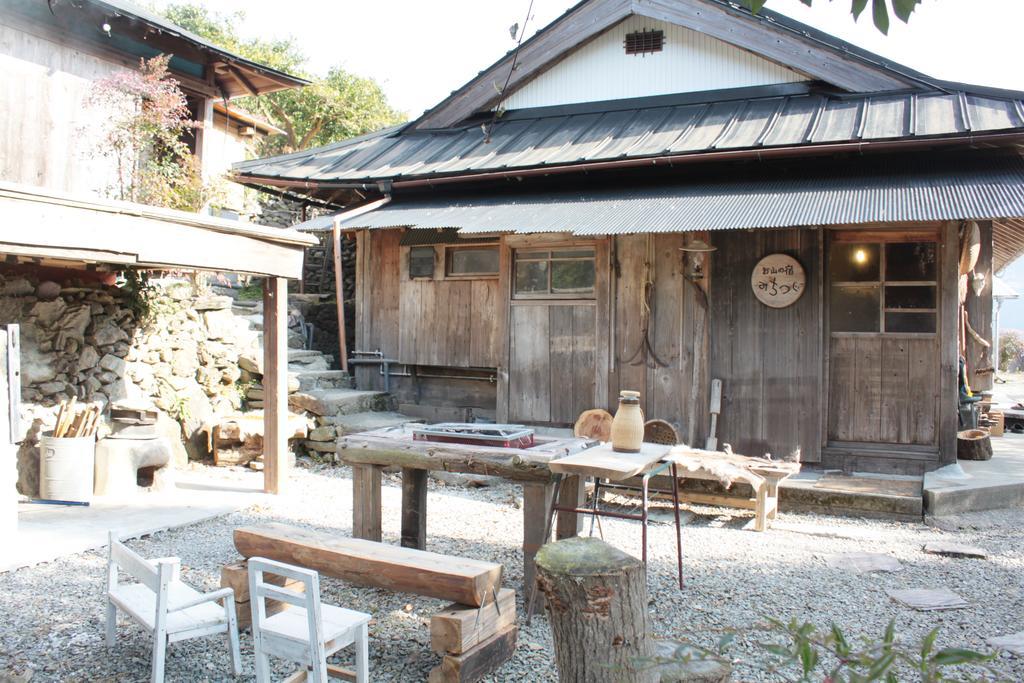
369	452
762	475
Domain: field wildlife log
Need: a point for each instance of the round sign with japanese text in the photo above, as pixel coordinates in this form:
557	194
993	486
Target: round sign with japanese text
778	280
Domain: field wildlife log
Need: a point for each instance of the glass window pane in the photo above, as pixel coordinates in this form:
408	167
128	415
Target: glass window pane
572	276
915	261
528	255
909	322
854	309
910	296
573	253
483	261
421	262
854	262
532	277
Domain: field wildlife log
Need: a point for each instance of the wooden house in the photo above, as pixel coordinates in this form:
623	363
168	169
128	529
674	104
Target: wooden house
674	191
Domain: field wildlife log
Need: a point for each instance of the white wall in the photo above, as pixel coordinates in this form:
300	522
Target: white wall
690	62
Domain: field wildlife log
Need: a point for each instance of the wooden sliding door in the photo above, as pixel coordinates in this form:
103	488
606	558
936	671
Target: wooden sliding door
883	312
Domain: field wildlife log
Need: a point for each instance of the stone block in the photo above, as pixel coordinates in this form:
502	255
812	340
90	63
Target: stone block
114	364
88	358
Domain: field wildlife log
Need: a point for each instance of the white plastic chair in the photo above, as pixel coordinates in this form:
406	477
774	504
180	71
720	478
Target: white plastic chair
167	608
310	632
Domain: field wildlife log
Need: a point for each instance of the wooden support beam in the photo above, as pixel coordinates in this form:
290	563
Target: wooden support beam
275	384
460	628
414	508
536	499
366	504
478	662
339	294
572	493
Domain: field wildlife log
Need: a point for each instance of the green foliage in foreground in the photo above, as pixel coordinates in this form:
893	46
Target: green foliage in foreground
880	9
830	656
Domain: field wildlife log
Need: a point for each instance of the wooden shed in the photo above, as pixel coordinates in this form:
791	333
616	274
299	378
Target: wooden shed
736	197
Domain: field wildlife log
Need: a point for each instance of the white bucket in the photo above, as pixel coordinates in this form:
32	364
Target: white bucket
66	468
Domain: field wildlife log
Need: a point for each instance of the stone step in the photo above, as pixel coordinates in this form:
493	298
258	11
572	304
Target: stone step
299	360
323	379
331	402
365	422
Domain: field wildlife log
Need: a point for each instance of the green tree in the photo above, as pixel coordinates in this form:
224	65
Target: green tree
879	9
336	107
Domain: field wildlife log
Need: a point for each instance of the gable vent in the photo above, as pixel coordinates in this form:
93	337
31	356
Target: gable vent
644	42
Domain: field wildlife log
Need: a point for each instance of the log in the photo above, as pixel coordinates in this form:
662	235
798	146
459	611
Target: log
596	598
973	444
368	563
459	628
594	424
473	665
363	450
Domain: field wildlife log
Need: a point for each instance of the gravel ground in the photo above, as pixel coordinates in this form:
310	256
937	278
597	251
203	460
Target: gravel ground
51	616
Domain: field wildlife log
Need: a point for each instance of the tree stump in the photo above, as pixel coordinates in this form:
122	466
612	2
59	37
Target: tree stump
973	444
596	598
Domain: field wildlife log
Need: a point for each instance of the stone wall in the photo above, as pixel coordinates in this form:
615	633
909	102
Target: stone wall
91	340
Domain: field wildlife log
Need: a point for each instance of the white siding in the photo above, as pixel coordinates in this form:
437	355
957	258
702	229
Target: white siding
690	62
223	146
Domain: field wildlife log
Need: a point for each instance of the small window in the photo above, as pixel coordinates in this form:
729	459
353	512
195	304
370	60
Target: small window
421	262
883	287
564	273
471	262
644	42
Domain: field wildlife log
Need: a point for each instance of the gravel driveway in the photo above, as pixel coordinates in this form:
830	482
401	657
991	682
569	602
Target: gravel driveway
51	616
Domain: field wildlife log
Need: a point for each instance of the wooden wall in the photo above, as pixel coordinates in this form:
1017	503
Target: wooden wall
979	314
49	135
769	360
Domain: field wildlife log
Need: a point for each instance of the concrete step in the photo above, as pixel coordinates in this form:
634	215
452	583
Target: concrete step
331	402
366	422
323	379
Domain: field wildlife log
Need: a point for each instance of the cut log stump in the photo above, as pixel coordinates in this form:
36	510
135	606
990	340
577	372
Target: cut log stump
973	444
596	598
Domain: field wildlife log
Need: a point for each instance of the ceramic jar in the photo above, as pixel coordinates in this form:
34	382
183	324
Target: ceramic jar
628	425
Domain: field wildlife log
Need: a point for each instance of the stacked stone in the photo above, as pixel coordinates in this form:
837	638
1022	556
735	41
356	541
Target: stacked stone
74	339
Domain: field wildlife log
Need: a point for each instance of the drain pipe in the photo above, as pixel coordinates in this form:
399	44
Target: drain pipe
339	290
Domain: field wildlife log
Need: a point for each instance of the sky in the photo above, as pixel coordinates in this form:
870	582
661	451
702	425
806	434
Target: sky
421	50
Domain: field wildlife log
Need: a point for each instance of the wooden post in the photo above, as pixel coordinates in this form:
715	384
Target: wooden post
366	505
414	508
339	294
536	499
597	608
571	494
275	384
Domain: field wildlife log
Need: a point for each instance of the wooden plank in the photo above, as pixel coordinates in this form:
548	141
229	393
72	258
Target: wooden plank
979	315
339	293
414	508
603	288
631	374
842	376
922	391
867	389
386	291
584	360
536	502
477	663
485	324
560	364
368	563
665	385
459	628
529	364
504	315
949	255
458	332
275	384
895	397
366	502
601	461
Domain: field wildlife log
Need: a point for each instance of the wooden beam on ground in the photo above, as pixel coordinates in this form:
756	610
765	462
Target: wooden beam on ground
368	563
459	628
366	503
275	384
478	662
414	508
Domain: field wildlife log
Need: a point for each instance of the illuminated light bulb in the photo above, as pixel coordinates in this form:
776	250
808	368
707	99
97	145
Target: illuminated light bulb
860	256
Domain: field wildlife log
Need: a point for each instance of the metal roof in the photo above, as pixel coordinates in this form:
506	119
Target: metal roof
769	118
878	191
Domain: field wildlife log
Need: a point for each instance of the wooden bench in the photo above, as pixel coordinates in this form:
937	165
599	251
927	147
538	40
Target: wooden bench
369	563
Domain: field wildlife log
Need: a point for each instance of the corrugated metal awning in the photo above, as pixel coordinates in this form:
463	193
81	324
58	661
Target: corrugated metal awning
926	190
